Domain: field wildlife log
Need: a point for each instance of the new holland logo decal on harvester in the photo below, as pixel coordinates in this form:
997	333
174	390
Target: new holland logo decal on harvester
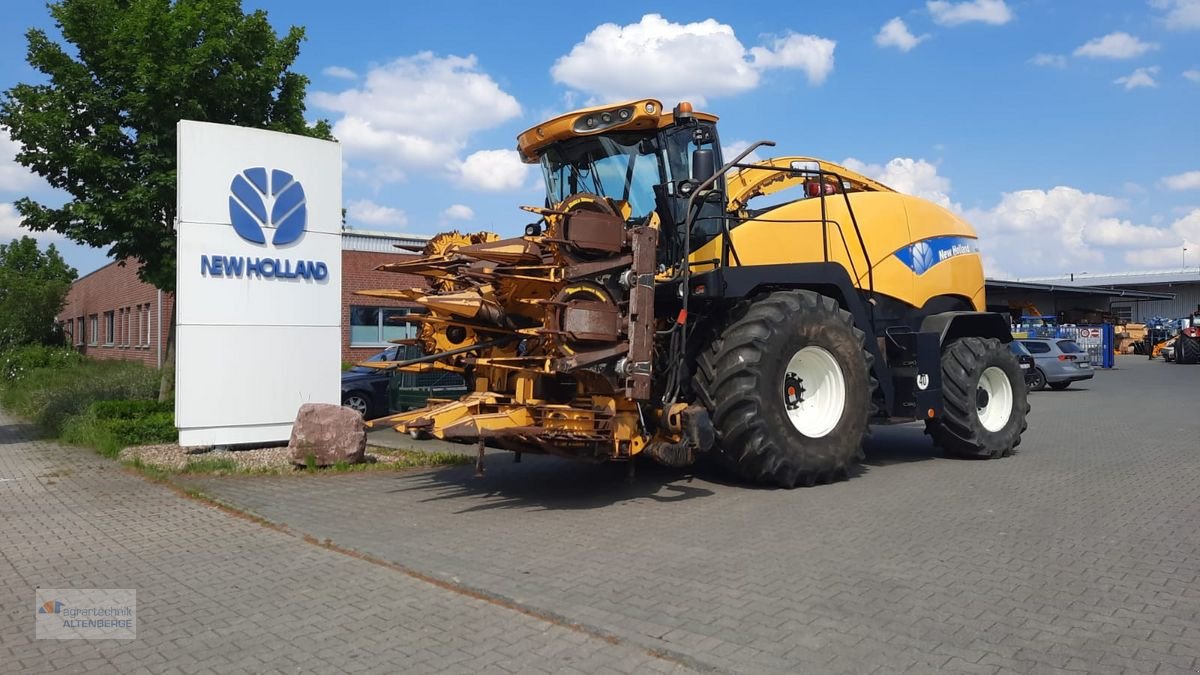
924	255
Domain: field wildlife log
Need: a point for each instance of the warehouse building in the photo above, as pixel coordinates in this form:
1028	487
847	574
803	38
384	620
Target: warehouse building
111	314
1167	294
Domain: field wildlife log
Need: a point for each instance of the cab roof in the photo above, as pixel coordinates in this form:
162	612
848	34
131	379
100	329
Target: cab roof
638	114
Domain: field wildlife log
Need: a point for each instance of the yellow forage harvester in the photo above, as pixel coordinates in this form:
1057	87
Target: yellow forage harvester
656	306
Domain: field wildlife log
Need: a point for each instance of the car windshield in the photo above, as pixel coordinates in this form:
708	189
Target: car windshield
1017	348
1069	347
623	167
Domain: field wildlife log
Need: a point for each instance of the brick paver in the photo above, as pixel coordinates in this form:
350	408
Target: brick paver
1080	553
217	593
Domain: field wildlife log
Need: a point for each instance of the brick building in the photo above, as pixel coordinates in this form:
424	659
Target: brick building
111	314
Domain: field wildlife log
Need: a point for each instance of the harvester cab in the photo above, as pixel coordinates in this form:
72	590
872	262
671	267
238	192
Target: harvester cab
656	307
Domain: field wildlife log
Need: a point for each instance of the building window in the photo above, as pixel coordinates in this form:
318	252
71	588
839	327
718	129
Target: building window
1124	313
79	332
378	326
128	328
110	328
94	329
146	334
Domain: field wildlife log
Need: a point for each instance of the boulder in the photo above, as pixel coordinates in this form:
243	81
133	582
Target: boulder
329	434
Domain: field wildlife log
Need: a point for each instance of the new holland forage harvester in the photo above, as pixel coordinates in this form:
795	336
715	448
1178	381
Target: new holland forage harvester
657	307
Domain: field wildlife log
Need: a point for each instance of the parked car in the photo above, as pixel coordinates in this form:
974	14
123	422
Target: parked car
1057	362
1025	359
375	393
366	389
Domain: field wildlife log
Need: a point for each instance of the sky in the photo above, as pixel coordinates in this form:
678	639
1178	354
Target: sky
1065	131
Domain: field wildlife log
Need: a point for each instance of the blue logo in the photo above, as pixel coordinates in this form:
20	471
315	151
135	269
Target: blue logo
250	194
925	254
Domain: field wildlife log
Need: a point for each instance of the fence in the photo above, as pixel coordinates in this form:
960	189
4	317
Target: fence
1098	341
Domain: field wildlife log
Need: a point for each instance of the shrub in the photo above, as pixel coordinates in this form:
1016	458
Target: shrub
47	396
17	362
110	426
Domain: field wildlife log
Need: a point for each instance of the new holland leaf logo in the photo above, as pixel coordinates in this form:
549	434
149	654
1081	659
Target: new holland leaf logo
922	257
251	196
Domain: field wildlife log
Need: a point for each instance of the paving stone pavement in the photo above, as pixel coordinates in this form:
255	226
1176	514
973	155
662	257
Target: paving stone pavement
218	593
1080	553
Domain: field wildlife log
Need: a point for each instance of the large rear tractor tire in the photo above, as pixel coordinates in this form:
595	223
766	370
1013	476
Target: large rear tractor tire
788	387
985	400
1187	349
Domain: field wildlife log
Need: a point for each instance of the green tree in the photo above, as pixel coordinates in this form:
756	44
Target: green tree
102	126
33	289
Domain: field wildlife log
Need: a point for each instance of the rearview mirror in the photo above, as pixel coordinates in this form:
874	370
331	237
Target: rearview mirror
703	164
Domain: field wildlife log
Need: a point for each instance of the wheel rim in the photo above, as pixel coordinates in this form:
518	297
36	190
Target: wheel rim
994	399
814	391
356	403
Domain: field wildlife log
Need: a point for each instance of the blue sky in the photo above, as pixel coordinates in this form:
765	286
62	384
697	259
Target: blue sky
1066	132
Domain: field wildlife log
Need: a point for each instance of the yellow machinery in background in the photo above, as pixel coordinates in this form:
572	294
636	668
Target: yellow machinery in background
666	302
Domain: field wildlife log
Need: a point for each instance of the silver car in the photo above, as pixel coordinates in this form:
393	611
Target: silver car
1057	362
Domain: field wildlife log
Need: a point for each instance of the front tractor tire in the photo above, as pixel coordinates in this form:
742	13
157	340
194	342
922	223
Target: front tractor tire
788	387
985	400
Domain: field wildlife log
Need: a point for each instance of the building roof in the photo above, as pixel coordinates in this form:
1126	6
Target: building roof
379	242
1075	289
1154	278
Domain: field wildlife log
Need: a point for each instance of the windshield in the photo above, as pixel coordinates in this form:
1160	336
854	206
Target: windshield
622	167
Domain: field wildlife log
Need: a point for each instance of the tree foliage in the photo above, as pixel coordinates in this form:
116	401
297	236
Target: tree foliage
102	127
33	289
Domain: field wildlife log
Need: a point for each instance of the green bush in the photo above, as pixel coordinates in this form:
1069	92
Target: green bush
110	426
48	395
16	363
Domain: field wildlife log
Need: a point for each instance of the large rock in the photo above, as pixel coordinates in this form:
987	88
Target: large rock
329	434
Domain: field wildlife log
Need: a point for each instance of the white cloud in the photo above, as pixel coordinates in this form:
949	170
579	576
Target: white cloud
1187	229
895	33
492	170
674	61
1181	14
418	111
735	147
911	176
1189	180
10	223
1117	45
1192	75
1064	229
809	53
367	211
1049	60
1142	77
458	212
994	12
340	72
13	177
